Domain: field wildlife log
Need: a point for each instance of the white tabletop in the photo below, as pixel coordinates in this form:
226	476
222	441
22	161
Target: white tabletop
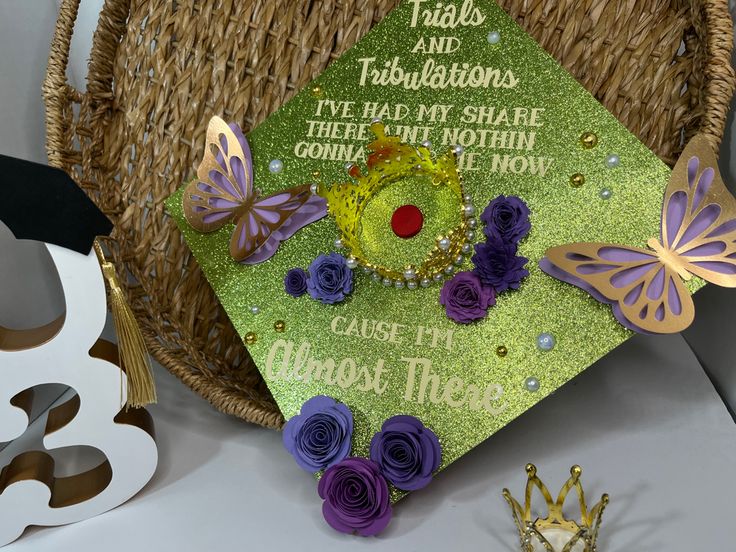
645	424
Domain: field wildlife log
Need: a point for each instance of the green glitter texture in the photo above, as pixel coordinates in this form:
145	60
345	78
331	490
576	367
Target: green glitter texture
584	329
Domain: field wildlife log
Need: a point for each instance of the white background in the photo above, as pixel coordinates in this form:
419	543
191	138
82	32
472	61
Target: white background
645	423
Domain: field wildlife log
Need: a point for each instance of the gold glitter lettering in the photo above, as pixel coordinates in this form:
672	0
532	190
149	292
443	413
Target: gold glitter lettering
446	335
518	164
286	347
347	373
446	16
492	394
428	378
453	385
437	113
434	75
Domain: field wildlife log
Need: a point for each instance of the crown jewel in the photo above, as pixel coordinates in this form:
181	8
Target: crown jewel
392	162
556	533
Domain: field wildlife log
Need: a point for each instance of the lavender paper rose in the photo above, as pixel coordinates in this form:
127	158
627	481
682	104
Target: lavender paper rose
320	436
506	218
407	452
356	498
497	265
295	282
466	298
330	280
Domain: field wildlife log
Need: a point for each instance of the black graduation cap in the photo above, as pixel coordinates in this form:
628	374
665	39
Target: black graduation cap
41	203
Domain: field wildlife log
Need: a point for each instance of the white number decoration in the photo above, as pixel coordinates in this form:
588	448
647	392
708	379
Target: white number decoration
69	351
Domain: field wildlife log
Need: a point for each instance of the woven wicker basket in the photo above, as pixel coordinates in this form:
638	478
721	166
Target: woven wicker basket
160	68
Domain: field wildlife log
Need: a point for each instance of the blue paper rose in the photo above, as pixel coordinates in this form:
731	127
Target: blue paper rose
506	218
498	265
320	436
407	452
330	279
295	282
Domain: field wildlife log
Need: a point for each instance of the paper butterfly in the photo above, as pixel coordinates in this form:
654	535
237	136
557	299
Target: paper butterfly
223	193
697	238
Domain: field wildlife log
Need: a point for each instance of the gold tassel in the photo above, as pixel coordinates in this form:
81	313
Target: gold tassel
131	347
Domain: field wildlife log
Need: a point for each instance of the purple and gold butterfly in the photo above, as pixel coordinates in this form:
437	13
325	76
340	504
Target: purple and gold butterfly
223	193
697	238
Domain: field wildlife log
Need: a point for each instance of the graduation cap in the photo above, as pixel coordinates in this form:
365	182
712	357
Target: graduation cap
44	204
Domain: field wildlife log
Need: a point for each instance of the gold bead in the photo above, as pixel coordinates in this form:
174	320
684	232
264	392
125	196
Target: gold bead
279	326
317	91
250	338
589	140
502	351
577	180
316	174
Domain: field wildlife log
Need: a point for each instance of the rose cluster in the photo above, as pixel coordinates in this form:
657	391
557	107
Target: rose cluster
329	281
468	296
355	490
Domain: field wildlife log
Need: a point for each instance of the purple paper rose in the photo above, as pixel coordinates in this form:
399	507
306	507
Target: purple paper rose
506	218
330	280
497	264
320	436
295	282
466	298
407	452
356	498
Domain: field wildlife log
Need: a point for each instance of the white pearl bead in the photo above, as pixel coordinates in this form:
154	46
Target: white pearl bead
449	270
410	274
458	149
444	244
276	166
255	309
338	243
427	144
399	284
469	210
532	384
438	277
613	161
367	270
411	285
494	37
387	282
348	166
376	277
376	120
351	262
467	198
313	188
459	260
606	193
546	341
472	223
470	235
467	248
425	282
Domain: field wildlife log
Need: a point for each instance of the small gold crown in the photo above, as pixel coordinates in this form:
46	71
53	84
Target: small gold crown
389	161
556	533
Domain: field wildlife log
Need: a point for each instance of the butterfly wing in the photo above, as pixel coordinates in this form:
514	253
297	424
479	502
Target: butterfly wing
270	220
646	295
224	180
699	217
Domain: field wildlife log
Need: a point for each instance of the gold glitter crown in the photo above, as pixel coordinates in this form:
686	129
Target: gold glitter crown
556	533
389	161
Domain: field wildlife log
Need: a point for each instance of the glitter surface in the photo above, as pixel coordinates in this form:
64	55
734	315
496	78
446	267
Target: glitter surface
385	327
